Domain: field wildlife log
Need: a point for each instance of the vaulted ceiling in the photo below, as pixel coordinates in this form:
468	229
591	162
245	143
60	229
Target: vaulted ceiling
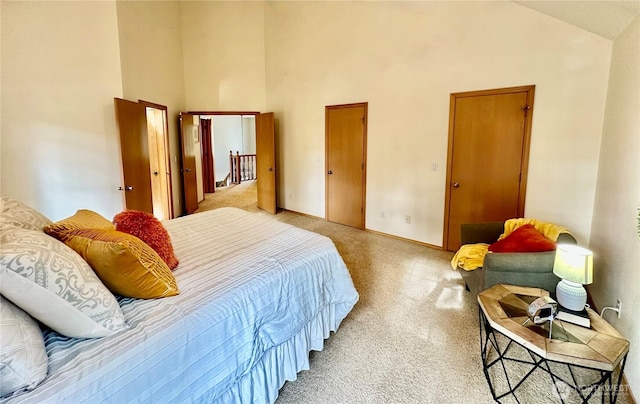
601	17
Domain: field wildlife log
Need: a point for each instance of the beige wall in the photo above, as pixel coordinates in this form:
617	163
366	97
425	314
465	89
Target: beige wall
226	132
614	235
60	72
405	58
151	61
223	44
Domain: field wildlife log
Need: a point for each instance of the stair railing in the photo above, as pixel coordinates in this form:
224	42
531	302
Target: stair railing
243	167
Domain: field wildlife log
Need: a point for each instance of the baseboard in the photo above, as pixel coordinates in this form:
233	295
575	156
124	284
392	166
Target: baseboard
404	239
437	247
301	214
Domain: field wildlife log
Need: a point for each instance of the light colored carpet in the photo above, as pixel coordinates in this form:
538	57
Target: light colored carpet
243	196
412	338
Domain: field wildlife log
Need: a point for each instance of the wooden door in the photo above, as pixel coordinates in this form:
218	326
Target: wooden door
189	132
266	161
346	163
131	120
489	134
159	160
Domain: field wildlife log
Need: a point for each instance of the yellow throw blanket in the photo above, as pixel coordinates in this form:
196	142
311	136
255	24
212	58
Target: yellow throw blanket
550	230
471	256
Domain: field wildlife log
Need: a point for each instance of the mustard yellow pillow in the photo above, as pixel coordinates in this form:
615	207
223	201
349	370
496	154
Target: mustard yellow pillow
124	263
83	219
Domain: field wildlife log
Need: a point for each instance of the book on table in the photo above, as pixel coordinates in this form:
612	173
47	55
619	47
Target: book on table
572	316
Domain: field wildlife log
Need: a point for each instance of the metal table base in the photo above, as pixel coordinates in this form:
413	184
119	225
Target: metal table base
489	343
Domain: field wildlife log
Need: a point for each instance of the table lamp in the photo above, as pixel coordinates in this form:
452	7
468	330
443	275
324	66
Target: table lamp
574	265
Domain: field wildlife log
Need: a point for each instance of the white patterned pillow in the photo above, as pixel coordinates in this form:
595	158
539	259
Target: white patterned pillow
23	359
55	285
14	213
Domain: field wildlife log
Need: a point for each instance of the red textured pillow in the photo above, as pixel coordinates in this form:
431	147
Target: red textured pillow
524	239
148	229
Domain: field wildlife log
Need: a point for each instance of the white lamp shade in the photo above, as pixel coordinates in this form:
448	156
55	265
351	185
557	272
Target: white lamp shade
574	263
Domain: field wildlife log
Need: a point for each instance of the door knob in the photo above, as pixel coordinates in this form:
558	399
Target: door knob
270	168
330	172
456	185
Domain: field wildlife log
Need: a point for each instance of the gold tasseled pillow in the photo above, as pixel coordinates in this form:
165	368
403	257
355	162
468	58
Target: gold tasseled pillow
124	263
83	219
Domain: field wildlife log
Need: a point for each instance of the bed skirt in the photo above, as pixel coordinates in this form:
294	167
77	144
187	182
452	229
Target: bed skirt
283	362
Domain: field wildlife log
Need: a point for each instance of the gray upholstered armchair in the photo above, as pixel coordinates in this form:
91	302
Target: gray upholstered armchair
534	269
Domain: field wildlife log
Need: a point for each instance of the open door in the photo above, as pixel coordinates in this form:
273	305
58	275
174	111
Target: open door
131	119
189	132
266	162
159	160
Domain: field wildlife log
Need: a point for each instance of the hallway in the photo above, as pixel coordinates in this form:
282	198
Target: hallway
243	196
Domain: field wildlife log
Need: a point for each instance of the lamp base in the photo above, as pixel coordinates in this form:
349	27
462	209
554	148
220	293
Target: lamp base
571	295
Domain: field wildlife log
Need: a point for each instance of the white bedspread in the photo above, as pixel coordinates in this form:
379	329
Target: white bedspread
256	296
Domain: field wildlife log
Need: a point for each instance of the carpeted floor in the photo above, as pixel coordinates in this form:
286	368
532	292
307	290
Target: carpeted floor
412	338
243	196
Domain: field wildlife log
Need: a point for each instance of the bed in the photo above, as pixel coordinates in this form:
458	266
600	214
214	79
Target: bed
256	296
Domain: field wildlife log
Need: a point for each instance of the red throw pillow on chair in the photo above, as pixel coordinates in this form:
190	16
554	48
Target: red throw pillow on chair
147	228
524	239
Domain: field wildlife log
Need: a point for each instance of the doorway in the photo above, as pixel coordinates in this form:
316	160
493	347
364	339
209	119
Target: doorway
231	136
488	157
144	148
232	146
230	174
346	152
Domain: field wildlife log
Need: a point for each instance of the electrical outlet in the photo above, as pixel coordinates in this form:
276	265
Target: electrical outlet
619	307
382	214
407	219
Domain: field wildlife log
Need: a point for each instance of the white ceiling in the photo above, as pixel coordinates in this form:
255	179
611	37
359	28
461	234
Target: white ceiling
607	18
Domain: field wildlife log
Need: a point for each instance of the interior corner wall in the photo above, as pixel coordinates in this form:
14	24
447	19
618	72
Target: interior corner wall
152	70
227	136
249	134
223	55
405	59
615	234
60	72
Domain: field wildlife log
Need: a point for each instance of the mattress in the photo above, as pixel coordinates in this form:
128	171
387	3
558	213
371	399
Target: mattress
256	295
